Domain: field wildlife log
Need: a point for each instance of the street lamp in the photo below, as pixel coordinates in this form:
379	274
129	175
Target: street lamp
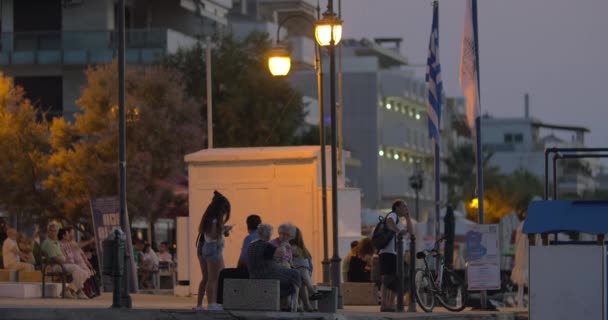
328	33
279	64
323	30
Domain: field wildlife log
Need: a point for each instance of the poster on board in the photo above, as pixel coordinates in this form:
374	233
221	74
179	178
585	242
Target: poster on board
483	257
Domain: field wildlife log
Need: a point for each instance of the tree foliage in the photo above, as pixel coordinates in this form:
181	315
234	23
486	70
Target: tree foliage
250	107
24	151
502	193
163	125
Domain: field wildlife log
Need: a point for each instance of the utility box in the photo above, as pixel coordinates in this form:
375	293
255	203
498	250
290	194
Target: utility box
280	184
568	279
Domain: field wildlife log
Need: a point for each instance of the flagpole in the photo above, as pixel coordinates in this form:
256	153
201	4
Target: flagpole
480	198
437	156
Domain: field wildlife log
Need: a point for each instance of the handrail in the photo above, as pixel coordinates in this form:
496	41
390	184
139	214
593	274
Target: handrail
551	150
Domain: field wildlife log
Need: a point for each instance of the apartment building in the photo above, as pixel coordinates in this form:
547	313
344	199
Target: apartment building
47	45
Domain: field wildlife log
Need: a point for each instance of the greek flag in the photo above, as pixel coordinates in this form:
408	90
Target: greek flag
433	78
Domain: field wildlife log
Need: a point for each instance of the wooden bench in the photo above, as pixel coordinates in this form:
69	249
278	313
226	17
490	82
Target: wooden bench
30	276
252	294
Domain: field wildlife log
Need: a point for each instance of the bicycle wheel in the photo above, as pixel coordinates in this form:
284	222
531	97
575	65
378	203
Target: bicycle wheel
453	293
424	290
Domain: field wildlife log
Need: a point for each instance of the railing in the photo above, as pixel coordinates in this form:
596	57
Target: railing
86	47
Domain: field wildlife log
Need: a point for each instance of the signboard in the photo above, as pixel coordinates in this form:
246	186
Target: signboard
483	257
106	216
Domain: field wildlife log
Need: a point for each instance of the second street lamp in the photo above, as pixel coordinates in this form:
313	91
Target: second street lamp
279	64
328	33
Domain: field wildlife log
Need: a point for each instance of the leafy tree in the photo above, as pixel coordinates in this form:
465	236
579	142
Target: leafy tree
163	124
250	106
24	151
502	193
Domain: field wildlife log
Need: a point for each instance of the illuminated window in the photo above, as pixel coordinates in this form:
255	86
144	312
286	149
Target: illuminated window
388	106
396	156
417	115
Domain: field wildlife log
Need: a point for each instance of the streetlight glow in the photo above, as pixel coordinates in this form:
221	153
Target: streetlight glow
323	30
279	62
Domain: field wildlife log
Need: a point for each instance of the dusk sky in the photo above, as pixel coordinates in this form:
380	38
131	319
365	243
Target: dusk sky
557	50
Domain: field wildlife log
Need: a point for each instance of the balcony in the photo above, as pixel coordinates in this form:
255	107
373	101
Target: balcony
88	47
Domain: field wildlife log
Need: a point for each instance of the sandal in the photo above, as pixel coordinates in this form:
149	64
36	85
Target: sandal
317	296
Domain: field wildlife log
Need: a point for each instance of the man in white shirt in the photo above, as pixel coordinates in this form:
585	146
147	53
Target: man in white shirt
148	264
388	255
12	255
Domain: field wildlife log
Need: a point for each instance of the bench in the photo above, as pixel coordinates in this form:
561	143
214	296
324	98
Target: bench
54	270
8	275
23	290
359	293
329	303
251	294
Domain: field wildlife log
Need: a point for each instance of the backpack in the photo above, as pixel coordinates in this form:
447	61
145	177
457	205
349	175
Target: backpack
382	235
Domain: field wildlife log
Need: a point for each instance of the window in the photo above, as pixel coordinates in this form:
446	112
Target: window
518	137
508	138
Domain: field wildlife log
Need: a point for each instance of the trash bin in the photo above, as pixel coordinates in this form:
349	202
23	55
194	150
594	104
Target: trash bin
113	254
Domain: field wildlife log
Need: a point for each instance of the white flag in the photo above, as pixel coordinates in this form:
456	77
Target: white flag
468	68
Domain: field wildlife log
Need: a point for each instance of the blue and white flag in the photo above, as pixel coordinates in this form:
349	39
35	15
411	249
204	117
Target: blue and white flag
433	79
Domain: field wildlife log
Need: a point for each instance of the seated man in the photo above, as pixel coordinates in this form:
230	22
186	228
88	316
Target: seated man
165	258
241	272
14	259
51	248
148	264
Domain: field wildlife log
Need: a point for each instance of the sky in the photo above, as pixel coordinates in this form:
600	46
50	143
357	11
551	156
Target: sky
556	50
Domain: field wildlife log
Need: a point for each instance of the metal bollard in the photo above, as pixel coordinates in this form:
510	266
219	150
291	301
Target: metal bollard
411	307
400	288
114	263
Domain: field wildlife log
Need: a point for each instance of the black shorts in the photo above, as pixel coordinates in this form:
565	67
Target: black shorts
388	264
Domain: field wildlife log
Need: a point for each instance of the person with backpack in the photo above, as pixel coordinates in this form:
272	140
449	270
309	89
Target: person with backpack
391	227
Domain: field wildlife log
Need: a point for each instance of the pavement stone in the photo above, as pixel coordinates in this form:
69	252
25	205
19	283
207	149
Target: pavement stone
158	307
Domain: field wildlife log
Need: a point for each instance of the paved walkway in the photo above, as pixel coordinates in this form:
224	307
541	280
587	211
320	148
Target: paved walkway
179	308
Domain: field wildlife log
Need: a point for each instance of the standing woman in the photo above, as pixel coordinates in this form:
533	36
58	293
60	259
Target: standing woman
210	247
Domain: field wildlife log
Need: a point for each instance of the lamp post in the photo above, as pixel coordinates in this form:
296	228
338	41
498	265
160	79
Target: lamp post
279	64
125	298
328	33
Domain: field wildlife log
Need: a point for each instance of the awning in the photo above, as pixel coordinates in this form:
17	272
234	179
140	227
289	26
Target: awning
548	216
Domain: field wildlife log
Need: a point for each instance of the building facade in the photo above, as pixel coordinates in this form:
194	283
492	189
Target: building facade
384	123
47	50
520	143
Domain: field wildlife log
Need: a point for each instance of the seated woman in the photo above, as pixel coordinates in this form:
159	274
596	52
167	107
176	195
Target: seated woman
287	232
302	262
148	264
261	262
359	269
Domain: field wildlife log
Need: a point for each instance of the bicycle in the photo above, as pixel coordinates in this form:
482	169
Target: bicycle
445	285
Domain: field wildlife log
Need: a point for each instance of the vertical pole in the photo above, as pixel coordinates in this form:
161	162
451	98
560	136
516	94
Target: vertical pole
319	63
555	157
209	94
483	298
339	106
122	152
335	260
547	151
417	190
411	307
400	274
437	197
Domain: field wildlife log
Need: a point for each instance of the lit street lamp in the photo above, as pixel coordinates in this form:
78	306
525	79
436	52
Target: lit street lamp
328	33
279	62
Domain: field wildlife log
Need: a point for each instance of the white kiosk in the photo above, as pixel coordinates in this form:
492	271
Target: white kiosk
281	184
567	278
